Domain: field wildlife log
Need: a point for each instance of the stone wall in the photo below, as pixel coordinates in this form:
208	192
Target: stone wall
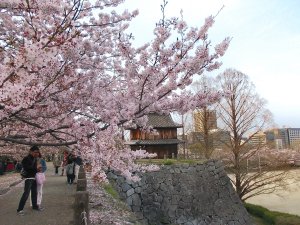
183	194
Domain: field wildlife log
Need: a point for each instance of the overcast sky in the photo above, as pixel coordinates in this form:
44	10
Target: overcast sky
265	44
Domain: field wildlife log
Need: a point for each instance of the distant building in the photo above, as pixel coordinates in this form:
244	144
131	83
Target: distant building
223	138
258	139
198	117
284	137
282	134
217	138
163	141
293	137
278	144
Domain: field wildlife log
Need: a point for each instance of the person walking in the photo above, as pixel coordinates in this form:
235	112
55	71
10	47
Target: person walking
64	161
70	170
29	164
78	163
57	162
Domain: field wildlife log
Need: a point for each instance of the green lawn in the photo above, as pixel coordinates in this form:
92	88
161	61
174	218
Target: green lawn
259	221
263	216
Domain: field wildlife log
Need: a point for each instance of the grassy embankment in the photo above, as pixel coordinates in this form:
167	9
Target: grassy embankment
263	216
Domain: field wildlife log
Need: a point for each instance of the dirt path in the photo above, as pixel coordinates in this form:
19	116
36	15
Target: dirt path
58	198
287	200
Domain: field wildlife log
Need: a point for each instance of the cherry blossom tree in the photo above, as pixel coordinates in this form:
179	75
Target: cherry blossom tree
69	75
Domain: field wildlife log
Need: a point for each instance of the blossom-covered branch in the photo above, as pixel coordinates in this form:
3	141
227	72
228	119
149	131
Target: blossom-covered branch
69	74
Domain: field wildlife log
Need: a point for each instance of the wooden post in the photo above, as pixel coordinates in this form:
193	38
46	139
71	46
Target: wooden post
81	173
81	185
81	208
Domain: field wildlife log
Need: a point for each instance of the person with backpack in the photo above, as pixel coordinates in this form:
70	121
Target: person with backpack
70	170
29	164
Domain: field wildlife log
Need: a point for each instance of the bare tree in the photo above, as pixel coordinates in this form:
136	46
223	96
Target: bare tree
242	112
205	120
185	120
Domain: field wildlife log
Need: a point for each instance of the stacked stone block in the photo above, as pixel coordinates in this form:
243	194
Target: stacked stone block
199	194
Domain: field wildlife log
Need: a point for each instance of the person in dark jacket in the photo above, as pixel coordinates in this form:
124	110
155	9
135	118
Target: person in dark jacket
18	166
29	164
70	169
1	168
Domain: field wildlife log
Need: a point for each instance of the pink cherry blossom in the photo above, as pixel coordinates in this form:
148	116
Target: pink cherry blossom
70	76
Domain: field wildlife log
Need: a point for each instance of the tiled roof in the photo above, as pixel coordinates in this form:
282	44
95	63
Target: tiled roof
161	121
154	142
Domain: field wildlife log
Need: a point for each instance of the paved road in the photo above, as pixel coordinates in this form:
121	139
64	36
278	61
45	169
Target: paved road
58	198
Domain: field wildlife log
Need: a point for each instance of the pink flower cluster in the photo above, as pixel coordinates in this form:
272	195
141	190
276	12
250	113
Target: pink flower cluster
69	74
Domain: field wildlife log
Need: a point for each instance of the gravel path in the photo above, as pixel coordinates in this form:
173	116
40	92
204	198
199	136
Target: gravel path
8	181
58	198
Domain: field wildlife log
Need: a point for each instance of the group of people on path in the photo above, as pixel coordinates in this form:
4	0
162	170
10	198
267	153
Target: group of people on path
9	165
33	169
69	163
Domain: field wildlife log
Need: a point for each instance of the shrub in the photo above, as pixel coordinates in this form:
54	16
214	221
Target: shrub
168	162
260	212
